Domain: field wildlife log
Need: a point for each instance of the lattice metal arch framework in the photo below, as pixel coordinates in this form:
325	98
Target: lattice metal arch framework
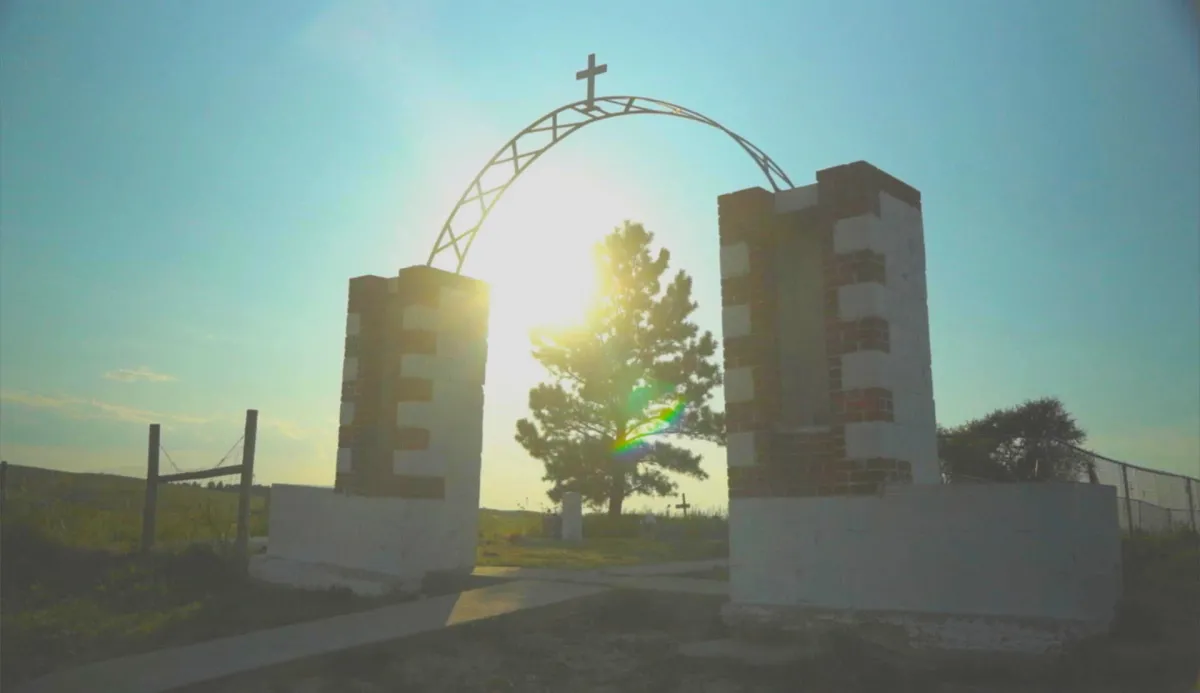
576	116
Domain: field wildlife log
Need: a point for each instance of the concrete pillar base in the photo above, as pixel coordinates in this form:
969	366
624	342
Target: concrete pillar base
1021	568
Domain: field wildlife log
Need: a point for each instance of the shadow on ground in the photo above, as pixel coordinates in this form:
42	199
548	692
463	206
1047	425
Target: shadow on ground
629	642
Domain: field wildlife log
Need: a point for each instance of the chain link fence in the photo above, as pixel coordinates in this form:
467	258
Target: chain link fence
1150	500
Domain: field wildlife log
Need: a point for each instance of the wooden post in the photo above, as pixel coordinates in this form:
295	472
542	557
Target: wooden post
243	520
1128	501
4	486
149	506
1191	503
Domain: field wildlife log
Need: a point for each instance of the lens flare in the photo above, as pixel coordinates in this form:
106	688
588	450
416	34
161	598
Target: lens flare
664	418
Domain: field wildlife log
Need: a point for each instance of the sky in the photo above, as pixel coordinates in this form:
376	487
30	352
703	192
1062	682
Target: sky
186	188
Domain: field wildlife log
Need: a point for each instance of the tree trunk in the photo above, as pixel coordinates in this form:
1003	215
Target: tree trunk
616	480
616	495
615	501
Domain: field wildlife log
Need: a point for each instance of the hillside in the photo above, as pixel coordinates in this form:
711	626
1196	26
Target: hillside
105	510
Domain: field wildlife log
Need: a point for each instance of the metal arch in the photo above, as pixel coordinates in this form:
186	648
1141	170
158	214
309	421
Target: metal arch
602	108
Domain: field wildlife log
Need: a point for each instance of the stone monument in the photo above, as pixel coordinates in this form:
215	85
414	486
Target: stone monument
837	511
572	517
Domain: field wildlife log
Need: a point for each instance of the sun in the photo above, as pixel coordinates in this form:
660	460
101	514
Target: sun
535	251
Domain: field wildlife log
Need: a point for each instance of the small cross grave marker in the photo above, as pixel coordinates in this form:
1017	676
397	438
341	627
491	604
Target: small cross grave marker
684	505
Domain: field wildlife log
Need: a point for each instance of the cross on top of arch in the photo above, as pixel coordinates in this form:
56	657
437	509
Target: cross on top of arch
590	73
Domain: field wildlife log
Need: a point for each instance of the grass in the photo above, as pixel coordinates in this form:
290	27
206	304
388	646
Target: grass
65	606
517	538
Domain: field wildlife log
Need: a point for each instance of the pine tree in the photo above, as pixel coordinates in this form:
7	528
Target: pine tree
634	371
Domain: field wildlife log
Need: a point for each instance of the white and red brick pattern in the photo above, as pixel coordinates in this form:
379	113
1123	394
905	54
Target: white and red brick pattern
867	415
412	392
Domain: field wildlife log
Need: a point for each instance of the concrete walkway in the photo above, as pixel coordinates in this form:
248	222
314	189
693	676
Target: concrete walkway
164	670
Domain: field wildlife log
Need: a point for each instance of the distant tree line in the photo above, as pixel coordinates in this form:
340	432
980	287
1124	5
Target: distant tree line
232	487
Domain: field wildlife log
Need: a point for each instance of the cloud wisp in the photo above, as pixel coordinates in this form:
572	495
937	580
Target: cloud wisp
141	374
83	408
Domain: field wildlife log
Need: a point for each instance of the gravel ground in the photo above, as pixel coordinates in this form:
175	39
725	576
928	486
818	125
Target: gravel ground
629	643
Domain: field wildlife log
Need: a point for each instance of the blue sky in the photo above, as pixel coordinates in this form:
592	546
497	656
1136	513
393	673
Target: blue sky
187	187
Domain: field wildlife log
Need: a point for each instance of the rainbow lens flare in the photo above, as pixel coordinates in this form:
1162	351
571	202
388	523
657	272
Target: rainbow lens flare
666	416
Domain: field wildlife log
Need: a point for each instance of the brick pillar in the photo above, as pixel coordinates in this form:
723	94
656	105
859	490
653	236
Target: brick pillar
412	390
748	317
878	288
826	335
362	419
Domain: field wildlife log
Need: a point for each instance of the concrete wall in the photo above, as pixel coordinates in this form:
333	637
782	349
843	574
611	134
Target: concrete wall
1040	552
402	537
